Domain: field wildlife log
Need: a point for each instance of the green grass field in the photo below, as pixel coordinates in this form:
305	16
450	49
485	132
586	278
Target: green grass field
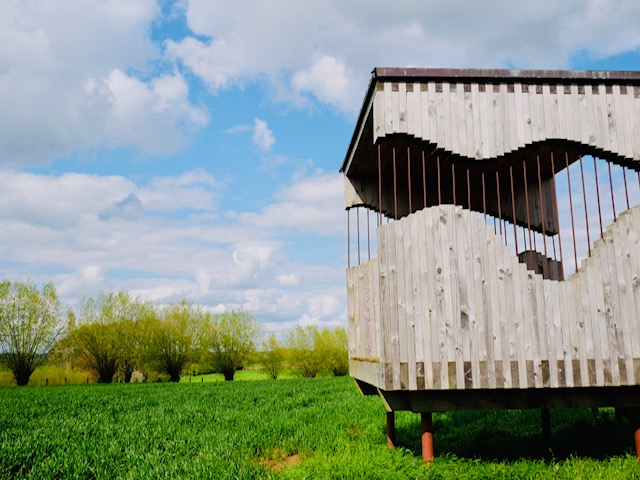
294	429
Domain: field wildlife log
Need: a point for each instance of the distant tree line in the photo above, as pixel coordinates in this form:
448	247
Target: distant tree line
117	335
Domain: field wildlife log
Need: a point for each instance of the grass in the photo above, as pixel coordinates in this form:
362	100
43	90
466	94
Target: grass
292	429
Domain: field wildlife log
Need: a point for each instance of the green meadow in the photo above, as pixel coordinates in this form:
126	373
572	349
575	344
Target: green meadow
290	428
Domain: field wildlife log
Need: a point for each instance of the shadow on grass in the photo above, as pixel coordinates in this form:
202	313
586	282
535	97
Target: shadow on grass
511	435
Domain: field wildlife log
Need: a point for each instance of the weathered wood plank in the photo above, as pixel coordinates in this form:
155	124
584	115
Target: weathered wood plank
409	336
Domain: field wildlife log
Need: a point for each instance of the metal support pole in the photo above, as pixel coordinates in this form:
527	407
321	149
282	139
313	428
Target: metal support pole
513	210
613	201
635	418
439	189
409	177
379	187
586	214
358	230
573	227
453	181
426	423
626	189
544	233
557	220
526	200
395	187
391	429
484	200
424	181
595	174
468	191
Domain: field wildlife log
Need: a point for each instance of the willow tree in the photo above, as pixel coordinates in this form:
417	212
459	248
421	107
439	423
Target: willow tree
174	338
30	323
230	339
109	335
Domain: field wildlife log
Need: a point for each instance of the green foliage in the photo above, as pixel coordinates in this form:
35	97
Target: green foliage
110	334
30	323
174	337
250	430
302	350
314	350
272	356
230	339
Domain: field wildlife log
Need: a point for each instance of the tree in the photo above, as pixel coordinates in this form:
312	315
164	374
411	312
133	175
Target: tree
174	338
109	335
230	340
302	348
272	356
333	348
30	323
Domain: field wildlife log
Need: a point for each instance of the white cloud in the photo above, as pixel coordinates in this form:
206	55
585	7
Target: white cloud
89	233
78	75
312	205
262	137
329	50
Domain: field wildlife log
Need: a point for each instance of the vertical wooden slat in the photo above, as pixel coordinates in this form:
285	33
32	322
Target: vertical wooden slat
433	112
388	109
425	295
461	118
401	103
401	301
498	127
575	112
520	117
409	265
443	310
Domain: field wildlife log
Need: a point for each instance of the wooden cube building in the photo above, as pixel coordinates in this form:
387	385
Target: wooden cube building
498	245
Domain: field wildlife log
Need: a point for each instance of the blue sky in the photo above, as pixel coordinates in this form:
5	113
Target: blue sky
191	148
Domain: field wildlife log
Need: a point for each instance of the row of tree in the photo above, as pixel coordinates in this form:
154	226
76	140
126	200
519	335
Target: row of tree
116	334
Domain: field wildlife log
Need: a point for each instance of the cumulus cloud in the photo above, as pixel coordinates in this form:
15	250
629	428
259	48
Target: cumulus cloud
262	137
89	233
327	53
76	76
311	205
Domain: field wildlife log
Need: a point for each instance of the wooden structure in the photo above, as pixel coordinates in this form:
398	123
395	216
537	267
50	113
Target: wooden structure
470	302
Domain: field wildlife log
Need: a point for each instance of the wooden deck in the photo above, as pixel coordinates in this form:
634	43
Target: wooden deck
446	306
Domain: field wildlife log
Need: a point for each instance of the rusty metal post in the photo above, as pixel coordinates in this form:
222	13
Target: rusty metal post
544	233
595	173
613	201
586	214
453	181
513	210
635	419
424	181
439	189
573	227
391	429
426	424
395	187
468	191
526	200
409	178
379	187
626	189
484	201
557	219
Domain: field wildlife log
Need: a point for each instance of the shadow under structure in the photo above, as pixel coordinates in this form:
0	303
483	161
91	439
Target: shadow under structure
494	241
